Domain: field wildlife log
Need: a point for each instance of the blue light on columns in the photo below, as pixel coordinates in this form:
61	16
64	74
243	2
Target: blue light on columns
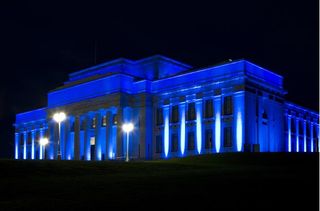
304	136
318	134
297	135
311	138
16	146
41	147
289	134
239	112
199	122
32	144
166	130
239	131
182	110
217	106
25	145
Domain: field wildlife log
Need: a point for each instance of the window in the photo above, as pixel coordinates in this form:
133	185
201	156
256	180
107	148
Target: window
93	122
301	127
175	114
190	140
29	138
92	141
83	125
174	142
21	139
227	105
208	139
158	144
37	136
115	119
315	127
308	128
227	137
208	108
293	125
191	111
159	116
104	121
72	126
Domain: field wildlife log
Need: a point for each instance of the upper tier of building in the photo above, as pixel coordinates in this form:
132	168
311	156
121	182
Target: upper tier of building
153	75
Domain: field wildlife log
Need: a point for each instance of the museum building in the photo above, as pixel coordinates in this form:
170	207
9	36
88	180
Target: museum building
176	111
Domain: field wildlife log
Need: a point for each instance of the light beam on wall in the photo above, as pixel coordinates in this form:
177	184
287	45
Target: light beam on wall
217	124
182	128
304	137
199	121
289	134
239	131
16	147
25	145
297	136
311	138
166	130
32	144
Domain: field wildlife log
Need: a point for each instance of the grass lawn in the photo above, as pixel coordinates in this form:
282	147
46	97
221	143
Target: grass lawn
232	181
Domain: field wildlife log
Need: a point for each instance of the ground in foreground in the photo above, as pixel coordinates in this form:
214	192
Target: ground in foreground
231	181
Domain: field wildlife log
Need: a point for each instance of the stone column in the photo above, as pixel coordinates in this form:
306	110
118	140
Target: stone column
16	145
119	142
199	125
182	131
297	135
311	137
304	136
217	125
166	136
87	152
289	133
97	136
32	143
77	138
109	149
25	145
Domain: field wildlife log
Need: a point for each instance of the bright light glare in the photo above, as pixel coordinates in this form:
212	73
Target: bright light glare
44	141
59	117
128	127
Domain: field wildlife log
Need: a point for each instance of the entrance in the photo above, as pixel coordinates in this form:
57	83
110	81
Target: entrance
93	148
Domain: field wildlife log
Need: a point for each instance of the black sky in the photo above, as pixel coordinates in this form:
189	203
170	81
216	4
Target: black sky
42	42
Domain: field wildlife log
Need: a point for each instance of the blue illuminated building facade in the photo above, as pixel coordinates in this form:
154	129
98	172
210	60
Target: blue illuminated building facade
177	111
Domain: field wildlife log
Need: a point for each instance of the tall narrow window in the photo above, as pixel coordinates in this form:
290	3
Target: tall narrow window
293	125
227	105
72	126
175	114
21	139
208	108
301	127
37	136
191	141
227	137
115	119
104	121
93	122
159	116
158	144
308	128
208	139
174	142
83	125
29	138
191	111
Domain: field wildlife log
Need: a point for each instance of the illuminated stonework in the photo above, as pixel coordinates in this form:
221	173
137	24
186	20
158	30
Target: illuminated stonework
176	110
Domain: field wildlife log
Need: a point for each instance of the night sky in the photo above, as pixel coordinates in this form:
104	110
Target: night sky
41	43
